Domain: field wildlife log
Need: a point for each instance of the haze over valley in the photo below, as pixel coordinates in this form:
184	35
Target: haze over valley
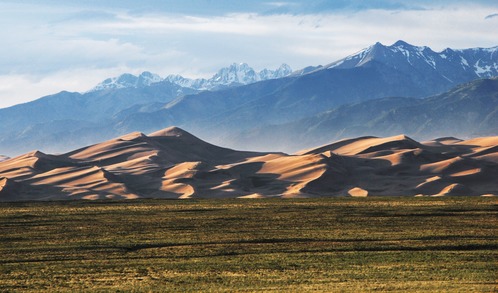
243	83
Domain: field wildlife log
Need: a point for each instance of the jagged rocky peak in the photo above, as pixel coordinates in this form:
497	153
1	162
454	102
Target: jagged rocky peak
401	43
128	80
148	78
405	45
235	74
476	62
242	73
283	71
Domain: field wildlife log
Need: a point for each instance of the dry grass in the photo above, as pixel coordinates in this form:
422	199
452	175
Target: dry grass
335	244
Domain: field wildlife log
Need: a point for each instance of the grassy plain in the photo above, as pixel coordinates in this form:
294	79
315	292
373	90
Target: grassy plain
327	244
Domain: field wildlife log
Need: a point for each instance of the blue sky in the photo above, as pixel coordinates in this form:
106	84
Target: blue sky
49	45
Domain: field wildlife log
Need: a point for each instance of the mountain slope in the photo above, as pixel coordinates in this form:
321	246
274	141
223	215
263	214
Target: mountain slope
128	80
278	101
376	72
54	121
468	110
173	163
70	120
456	66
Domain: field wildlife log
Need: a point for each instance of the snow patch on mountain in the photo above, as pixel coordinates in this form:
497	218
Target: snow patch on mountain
128	80
404	56
233	75
482	69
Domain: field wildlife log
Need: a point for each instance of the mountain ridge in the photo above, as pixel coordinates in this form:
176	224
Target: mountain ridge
470	109
422	56
233	75
65	121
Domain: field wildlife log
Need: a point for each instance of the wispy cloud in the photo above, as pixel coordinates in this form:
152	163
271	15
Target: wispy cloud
47	48
494	15
280	4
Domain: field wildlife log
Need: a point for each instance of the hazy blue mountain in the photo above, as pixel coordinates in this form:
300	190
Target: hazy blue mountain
52	120
145	103
233	75
375	72
468	110
68	120
128	80
434	68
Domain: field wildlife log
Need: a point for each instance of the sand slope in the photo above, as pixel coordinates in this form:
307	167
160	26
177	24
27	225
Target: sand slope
172	163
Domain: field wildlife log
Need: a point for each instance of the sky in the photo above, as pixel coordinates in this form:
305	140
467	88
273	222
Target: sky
48	46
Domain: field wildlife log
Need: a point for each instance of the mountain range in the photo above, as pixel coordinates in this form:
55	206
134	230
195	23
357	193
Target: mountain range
470	109
234	75
390	79
172	163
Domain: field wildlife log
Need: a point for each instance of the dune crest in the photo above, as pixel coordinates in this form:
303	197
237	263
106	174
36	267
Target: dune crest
172	163
367	144
171	131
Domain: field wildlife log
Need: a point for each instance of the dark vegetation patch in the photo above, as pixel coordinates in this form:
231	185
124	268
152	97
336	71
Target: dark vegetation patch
325	244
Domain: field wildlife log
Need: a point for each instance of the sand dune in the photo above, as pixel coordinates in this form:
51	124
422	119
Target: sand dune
358	192
8	185
368	144
480	142
172	163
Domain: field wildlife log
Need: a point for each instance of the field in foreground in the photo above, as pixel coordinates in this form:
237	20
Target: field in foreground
328	244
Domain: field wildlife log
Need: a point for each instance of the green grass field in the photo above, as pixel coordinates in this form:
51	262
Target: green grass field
335	244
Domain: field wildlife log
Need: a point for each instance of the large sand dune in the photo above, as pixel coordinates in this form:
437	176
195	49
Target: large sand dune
172	163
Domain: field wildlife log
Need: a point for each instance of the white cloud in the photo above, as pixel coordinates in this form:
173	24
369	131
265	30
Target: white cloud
279	4
23	88
48	49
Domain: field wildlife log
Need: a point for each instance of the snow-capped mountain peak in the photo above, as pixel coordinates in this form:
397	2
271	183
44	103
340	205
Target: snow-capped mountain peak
240	73
477	62
128	80
148	78
233	75
283	71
